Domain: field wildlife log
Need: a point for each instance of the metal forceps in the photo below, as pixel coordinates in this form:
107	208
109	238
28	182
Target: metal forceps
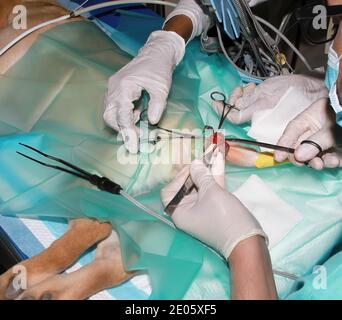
220	97
188	185
102	183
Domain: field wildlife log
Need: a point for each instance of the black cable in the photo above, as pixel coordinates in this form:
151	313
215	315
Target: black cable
296	44
307	38
255	51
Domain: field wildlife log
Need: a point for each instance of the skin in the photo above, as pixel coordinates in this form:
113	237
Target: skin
251	270
181	24
338	47
334	2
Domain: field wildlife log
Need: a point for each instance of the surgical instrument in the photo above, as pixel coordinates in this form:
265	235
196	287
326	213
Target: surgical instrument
102	183
220	97
188	185
181	135
261	144
313	143
107	185
274	146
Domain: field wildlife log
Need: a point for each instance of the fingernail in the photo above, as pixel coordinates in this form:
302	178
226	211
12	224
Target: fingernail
12	292
280	156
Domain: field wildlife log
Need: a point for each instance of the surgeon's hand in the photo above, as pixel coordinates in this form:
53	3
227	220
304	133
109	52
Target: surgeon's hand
252	98
211	214
152	71
316	123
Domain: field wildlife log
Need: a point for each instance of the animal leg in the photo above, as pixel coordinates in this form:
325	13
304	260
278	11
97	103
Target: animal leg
81	235
104	272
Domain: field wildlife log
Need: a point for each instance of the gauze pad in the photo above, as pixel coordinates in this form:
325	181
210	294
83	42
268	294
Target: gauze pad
269	125
275	215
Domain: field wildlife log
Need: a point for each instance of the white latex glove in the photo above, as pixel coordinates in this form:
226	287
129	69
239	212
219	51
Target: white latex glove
252	98
316	123
211	214
152	71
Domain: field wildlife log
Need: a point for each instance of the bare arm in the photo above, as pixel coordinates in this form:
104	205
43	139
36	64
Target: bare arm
251	271
334	2
188	20
338	39
181	24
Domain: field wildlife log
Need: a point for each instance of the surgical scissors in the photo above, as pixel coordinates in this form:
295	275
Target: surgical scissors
220	97
261	144
217	96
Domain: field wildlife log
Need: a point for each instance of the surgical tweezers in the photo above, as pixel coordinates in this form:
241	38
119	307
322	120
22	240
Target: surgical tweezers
188	185
102	183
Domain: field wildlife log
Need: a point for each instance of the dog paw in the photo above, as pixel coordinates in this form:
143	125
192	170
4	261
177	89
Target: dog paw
13	282
24	275
54	288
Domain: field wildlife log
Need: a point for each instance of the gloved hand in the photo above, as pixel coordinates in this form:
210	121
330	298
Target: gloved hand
211	214
316	123
253	98
152	71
